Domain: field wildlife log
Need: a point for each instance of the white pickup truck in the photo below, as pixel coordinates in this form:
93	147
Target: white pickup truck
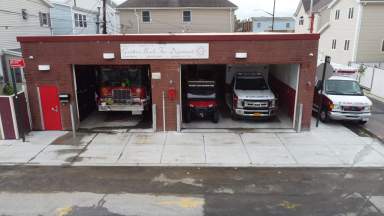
250	96
342	97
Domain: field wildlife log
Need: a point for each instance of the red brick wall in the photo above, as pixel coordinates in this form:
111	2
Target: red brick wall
61	55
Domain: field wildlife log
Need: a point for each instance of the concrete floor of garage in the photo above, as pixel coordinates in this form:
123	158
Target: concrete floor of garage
330	145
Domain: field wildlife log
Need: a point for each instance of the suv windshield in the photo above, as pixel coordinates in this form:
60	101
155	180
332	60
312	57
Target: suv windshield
342	87
251	84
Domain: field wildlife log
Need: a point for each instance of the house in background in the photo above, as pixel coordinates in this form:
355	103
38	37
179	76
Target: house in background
351	31
20	18
281	24
83	17
176	16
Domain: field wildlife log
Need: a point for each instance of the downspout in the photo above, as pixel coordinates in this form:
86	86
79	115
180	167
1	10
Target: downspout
311	17
230	20
357	32
138	22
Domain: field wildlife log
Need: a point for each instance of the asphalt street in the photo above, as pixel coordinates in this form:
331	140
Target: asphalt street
374	127
102	191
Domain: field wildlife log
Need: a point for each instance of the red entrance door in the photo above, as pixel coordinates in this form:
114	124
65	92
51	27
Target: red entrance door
50	106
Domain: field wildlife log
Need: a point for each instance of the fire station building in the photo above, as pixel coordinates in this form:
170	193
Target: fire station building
69	79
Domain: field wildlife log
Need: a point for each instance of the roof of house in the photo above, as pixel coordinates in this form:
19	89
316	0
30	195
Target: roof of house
176	3
318	5
289	19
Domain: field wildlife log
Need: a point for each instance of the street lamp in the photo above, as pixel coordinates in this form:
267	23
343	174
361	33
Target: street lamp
272	14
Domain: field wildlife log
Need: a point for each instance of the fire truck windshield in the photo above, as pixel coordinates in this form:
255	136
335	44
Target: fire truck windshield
121	76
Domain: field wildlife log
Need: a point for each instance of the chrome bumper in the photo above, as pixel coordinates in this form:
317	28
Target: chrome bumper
256	113
349	116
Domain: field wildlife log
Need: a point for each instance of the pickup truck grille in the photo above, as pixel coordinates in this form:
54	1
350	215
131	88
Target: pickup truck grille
121	95
352	108
256	104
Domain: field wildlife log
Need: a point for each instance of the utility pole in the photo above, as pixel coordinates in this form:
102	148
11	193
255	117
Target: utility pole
104	17
273	15
98	21
311	17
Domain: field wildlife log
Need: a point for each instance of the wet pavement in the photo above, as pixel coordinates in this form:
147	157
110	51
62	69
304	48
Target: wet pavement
105	191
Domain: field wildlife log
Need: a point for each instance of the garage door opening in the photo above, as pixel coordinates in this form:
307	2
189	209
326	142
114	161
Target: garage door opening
239	96
113	97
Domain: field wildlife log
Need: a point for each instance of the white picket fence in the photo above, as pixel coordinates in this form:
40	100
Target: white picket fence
373	79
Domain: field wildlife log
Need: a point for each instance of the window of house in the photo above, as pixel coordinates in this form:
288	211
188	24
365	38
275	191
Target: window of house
258	25
288	25
80	20
146	16
334	44
187	16
350	13
24	14
337	15
346	45
44	19
301	21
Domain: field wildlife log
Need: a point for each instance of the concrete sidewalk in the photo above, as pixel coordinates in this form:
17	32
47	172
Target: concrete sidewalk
330	145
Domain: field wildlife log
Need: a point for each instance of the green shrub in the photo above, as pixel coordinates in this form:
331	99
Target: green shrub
8	89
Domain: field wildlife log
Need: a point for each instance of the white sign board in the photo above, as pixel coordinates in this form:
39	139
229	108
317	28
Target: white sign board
156	75
165	51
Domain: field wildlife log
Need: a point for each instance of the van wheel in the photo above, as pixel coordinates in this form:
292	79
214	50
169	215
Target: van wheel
215	116
324	116
362	122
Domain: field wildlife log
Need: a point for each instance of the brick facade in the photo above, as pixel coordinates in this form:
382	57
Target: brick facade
61	52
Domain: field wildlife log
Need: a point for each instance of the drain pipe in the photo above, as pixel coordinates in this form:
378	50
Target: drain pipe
73	121
154	119
163	111
178	119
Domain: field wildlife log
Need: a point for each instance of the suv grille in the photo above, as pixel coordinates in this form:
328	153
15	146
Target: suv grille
352	108
256	104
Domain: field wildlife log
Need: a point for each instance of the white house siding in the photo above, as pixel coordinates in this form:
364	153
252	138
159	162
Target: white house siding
371	34
18	26
341	30
323	18
170	20
302	28
61	20
91	22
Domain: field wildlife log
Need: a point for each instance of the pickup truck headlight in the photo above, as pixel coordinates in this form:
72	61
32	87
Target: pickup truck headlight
368	108
239	103
274	103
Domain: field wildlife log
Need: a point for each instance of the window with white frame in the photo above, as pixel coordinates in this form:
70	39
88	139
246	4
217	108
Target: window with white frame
258	25
288	25
301	21
187	16
337	14
146	16
346	44
350	13
80	20
334	44
44	19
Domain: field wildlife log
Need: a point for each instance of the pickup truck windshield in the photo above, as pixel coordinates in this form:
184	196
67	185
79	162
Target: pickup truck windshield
251	84
342	87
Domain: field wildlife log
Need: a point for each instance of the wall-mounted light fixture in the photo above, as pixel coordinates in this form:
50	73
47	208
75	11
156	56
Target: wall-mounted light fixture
44	67
108	56
241	55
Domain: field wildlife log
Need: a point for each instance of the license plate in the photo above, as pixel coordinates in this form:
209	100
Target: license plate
257	114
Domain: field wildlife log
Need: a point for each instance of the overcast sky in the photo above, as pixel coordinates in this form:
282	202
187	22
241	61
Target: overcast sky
250	8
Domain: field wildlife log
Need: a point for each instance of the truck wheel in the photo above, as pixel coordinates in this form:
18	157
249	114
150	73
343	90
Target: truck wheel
324	116
362	122
188	116
234	116
215	116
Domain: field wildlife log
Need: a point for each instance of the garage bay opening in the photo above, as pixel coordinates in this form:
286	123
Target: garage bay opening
259	96
113	97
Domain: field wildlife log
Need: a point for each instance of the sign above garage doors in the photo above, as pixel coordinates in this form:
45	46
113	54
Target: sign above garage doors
165	51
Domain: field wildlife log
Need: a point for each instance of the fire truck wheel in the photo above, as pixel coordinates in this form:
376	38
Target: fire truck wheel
324	116
215	117
188	116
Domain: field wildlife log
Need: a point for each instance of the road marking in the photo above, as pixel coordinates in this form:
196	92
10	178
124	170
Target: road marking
184	202
64	211
288	205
